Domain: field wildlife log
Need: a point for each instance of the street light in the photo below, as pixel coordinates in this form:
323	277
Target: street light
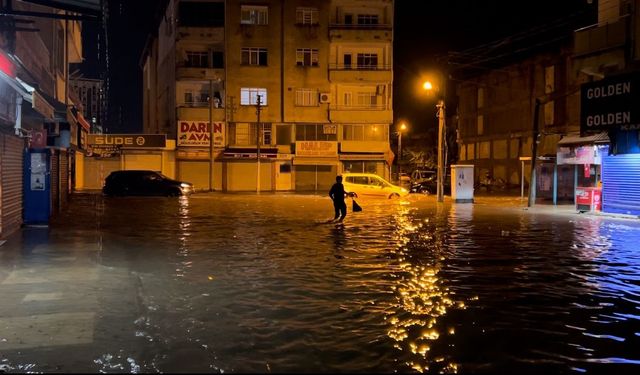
428	86
401	128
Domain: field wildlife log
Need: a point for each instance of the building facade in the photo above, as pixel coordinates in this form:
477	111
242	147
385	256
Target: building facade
90	93
306	85
39	119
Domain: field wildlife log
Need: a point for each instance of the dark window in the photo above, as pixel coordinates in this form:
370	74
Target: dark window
217	59
198	14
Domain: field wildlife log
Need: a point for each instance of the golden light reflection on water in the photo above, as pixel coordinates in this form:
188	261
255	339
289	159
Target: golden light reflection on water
422	299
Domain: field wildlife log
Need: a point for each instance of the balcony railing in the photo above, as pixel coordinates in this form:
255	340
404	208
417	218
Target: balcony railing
359	67
370	107
600	37
351	26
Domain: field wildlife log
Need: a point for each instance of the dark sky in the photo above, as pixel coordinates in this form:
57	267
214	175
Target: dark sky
424	29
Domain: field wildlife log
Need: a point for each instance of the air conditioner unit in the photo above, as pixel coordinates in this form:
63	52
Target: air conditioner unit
325	97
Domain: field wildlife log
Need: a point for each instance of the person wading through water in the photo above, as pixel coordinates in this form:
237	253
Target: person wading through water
338	194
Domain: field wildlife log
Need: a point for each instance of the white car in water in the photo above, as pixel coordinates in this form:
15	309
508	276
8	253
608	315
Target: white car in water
371	185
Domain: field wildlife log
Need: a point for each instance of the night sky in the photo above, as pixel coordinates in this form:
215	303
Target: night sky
422	34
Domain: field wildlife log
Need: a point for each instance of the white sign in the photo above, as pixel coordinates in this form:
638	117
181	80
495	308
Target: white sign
198	133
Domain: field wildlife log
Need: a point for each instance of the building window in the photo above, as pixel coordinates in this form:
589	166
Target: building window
367	60
197	59
480	125
314	132
364	132
249	96
306	57
307	16
196	98
254	56
348	102
266	134
283	135
306	98
367	19
480	97
549	87
254	15
367	99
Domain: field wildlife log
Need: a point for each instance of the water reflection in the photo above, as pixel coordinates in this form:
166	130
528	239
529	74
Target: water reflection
421	295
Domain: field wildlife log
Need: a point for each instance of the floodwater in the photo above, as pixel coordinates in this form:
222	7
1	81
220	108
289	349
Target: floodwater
255	283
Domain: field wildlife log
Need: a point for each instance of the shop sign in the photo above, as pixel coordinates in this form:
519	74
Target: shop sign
579	155
610	103
127	140
316	148
198	133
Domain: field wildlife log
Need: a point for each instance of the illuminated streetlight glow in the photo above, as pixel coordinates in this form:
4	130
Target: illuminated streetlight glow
401	128
427	85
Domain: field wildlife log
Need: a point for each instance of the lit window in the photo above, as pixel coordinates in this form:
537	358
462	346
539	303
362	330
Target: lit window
254	56
249	96
254	15
307	57
367	99
306	98
307	16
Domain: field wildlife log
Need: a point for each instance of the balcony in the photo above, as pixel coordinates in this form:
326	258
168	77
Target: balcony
351	73
201	34
351	32
199	73
200	113
601	37
360	114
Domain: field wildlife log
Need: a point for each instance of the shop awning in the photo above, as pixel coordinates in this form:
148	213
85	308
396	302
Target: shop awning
576	139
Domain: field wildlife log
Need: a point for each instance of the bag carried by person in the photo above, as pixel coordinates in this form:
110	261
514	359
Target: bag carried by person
355	207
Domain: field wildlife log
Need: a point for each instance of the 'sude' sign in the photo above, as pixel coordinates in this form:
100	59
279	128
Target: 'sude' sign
127	140
198	133
609	103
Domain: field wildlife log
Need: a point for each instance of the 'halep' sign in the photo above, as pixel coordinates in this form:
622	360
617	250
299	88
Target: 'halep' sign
198	134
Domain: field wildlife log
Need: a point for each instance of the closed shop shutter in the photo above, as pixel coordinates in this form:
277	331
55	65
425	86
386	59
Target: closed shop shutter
55	181
96	171
11	159
620	182
64	178
241	176
315	177
143	161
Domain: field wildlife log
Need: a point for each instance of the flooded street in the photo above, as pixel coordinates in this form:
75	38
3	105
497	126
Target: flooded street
248	283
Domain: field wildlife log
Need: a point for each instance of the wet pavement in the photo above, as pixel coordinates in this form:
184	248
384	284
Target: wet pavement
247	283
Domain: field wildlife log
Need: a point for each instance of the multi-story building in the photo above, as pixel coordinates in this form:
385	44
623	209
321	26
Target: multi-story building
498	89
90	92
38	116
304	84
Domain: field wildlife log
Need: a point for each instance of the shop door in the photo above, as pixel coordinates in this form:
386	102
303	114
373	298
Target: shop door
283	176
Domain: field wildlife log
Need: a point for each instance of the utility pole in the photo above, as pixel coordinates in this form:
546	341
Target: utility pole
210	135
258	109
534	154
441	125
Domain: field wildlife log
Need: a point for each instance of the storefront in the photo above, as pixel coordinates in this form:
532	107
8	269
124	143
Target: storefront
583	155
240	169
196	160
315	165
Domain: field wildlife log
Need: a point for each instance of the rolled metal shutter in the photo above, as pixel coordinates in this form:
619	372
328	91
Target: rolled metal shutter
12	167
64	178
621	184
55	181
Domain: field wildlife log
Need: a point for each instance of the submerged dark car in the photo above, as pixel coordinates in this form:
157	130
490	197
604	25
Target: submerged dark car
430	185
144	182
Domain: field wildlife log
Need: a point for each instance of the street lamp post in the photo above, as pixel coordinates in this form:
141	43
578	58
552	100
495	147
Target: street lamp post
402	127
441	130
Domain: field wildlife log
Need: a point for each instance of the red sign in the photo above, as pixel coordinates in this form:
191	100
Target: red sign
587	170
198	133
6	66
589	196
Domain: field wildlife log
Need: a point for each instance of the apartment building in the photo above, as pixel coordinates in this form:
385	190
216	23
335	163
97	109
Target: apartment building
90	93
304	84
